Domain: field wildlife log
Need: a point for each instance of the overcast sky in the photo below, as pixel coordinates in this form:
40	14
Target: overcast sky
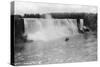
31	7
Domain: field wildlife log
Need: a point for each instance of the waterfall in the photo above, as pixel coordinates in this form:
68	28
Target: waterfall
49	28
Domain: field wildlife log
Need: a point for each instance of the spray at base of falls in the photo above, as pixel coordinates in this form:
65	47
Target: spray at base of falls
49	29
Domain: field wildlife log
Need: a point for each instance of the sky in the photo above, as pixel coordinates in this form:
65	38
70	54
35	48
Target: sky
36	7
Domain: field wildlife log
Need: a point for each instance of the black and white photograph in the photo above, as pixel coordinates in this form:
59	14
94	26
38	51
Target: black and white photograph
52	33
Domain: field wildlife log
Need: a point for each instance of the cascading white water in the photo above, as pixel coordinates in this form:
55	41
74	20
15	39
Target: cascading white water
49	29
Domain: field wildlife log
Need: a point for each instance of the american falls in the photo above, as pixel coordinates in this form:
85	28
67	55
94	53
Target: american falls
48	28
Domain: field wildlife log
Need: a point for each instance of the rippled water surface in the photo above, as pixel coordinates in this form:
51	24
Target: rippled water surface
79	48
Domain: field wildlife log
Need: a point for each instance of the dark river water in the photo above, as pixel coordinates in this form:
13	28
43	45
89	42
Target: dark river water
79	48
